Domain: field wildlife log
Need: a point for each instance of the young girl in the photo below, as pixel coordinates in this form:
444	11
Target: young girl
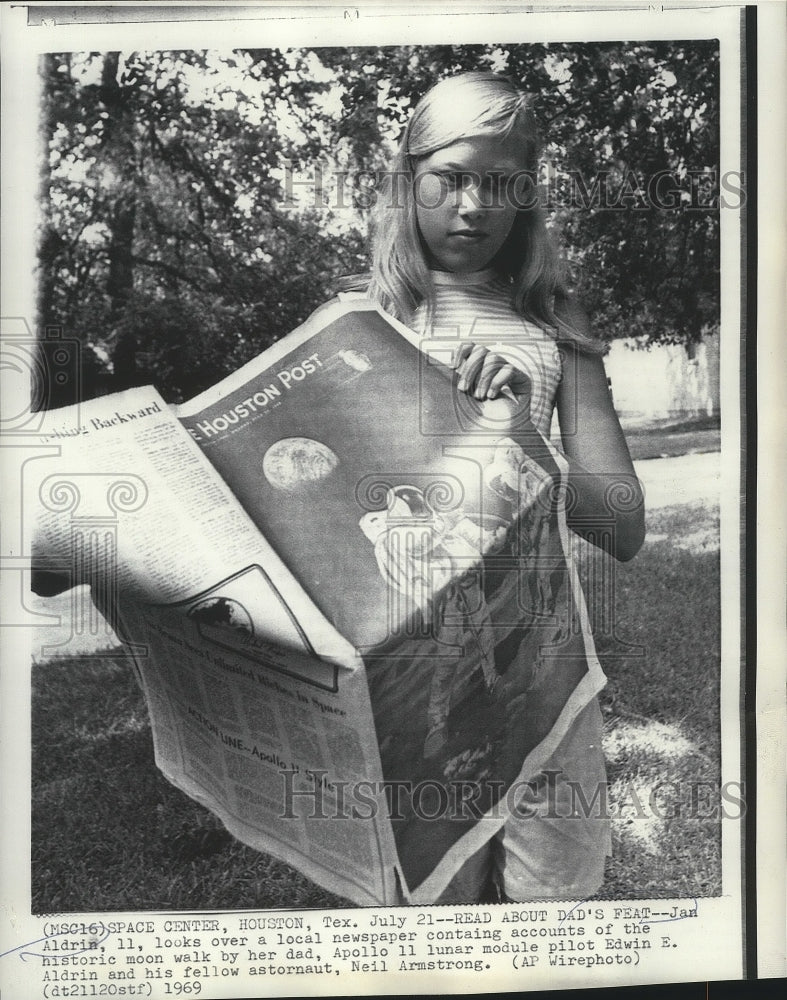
461	248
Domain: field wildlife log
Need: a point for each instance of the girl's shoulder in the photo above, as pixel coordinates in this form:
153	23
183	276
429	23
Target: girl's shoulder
340	296
351	288
349	284
572	317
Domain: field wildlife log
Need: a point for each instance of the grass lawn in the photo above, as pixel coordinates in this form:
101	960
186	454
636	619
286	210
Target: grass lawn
692	436
661	709
110	833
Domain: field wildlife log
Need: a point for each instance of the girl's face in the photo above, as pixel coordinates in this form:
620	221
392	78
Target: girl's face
464	207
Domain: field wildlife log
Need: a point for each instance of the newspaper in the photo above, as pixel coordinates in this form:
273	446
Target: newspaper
361	635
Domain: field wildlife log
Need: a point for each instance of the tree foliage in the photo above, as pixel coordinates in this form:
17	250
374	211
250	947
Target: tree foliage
175	247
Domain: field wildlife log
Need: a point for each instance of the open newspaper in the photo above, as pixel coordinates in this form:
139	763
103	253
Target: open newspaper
347	590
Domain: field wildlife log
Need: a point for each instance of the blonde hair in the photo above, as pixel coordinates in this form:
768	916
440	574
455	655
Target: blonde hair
457	108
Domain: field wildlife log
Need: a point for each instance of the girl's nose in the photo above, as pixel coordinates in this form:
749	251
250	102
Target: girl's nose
470	202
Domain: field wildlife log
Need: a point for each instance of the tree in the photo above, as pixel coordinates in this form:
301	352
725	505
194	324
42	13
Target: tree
169	245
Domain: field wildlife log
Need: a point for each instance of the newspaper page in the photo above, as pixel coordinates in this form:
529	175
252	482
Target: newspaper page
432	536
113	883
243	698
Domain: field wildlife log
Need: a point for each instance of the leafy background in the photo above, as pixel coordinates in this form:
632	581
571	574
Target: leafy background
170	248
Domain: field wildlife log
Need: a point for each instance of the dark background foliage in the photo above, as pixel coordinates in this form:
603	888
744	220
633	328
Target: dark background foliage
170	248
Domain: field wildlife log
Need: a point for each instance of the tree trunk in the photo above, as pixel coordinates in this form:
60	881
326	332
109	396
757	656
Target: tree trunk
120	151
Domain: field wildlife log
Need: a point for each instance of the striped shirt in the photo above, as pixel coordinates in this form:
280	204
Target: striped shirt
477	307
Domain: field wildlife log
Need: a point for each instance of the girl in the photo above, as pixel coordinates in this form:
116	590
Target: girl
460	247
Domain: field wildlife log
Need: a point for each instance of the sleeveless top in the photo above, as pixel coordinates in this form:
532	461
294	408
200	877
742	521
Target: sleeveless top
477	307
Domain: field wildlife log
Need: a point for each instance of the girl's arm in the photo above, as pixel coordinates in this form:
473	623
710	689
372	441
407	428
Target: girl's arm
606	505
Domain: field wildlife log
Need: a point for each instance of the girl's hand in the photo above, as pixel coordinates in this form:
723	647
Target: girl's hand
487	375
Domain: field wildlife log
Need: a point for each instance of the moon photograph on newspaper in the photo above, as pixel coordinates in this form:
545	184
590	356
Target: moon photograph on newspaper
359	521
295	463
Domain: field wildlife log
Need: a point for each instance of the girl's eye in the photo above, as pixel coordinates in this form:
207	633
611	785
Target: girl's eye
467	179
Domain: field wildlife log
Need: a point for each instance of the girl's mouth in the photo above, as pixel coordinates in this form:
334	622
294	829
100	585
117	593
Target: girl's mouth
468	234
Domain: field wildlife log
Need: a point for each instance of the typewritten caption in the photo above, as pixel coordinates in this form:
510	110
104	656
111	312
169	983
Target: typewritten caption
161	956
